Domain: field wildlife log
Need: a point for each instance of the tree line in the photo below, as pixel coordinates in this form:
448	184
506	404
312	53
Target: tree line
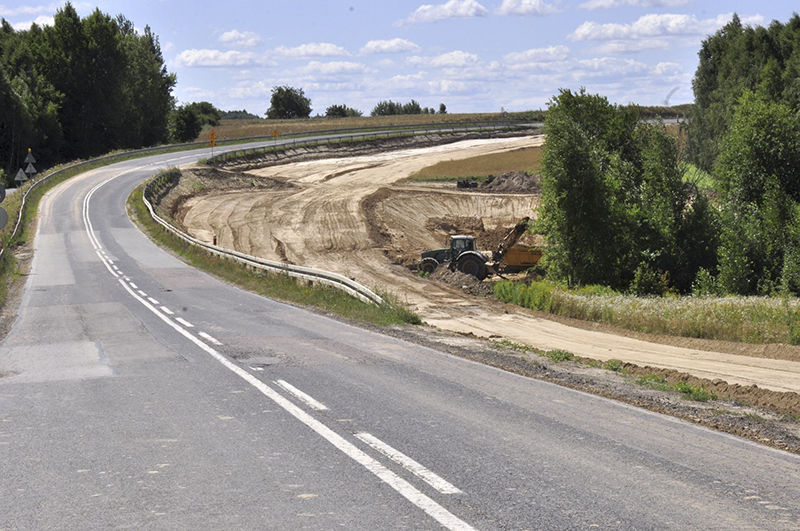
621	204
80	88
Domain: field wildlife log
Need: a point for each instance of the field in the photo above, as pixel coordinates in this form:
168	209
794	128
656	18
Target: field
231	129
527	159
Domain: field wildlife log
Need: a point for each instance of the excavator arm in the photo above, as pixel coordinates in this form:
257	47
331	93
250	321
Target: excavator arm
510	239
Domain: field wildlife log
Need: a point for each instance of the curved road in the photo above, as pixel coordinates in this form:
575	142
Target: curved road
145	394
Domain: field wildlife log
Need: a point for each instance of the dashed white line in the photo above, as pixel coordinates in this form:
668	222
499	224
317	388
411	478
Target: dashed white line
401	486
184	322
209	338
134	286
167	310
151	299
409	464
142	293
310	402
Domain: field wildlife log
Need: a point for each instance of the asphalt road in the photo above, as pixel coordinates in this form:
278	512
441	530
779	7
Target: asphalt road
147	395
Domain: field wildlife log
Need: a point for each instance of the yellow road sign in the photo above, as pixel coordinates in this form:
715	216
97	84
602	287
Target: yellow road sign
275	133
212	136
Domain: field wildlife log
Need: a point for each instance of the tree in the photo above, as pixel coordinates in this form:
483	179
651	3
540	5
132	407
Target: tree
206	113
442	108
387	108
758	175
185	125
341	111
412	107
288	102
614	208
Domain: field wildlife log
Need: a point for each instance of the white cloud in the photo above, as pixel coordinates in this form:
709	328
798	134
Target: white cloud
663	25
452	9
608	4
313	49
333	68
27	10
205	57
611	66
240	38
168	46
526	8
449	86
389	46
42	20
454	59
538	55
668	69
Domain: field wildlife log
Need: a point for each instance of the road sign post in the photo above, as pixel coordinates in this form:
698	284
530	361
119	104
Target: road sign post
212	137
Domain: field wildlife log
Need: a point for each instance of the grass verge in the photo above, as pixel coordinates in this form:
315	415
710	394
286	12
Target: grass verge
740	319
273	285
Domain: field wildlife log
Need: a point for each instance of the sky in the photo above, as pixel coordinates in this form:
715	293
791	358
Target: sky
471	55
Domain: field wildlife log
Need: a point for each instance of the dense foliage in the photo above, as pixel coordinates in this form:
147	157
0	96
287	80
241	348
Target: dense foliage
615	210
342	111
82	87
79	88
735	60
391	108
238	115
288	102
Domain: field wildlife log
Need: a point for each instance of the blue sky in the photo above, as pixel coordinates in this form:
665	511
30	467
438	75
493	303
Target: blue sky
472	55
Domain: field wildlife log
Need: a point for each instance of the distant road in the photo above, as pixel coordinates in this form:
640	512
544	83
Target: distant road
146	394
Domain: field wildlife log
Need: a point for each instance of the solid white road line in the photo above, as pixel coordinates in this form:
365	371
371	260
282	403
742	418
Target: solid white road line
310	402
409	464
209	338
184	322
167	310
403	487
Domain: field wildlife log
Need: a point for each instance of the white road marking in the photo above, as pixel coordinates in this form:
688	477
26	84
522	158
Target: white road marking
134	286
184	322
151	299
403	487
167	310
209	338
257	368
142	293
310	402
409	464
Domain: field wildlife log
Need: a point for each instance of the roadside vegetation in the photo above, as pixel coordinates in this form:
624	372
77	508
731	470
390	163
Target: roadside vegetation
275	286
700	242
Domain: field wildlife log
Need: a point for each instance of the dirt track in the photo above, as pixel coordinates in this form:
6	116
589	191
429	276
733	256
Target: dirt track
353	216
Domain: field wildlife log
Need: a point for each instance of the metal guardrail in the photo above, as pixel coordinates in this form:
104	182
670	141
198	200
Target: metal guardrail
306	273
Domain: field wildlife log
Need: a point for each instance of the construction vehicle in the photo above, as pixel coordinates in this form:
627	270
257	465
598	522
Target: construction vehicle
461	254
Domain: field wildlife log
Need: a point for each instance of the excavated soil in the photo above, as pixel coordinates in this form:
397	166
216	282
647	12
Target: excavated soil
356	216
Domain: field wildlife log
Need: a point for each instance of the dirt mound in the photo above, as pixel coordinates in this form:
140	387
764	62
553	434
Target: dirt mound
456	225
515	182
467	283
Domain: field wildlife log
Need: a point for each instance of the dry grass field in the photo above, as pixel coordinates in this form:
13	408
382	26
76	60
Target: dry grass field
231	129
527	159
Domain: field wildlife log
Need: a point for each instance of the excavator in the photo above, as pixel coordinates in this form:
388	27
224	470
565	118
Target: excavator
461	254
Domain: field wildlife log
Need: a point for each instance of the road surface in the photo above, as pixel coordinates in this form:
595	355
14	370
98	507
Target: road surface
145	394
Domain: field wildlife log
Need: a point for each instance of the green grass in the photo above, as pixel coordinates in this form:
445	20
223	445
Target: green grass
694	392
740	319
273	285
690	392
559	355
480	167
703	180
654	381
614	365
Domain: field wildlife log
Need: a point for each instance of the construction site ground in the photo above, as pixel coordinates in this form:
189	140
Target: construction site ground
361	217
